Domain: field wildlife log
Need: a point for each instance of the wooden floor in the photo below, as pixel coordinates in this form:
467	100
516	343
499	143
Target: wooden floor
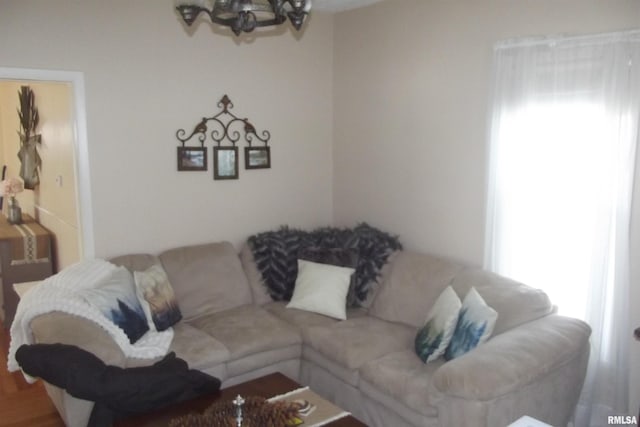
23	404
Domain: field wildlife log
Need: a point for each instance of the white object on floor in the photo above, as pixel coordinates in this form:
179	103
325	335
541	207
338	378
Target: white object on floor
527	421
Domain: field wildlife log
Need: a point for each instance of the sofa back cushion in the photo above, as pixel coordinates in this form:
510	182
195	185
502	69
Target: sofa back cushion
256	282
206	278
414	283
136	262
515	302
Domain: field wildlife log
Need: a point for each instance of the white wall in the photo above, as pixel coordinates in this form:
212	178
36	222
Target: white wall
411	97
146	77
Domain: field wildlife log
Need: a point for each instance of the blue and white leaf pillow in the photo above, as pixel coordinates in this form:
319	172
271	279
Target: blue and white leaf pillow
115	297
433	338
475	325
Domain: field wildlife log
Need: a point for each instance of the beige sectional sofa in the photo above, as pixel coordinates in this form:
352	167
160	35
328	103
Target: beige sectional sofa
534	364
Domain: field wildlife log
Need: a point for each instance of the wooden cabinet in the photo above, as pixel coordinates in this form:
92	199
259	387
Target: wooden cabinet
25	256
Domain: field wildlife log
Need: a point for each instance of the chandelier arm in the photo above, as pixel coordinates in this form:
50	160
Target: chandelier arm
243	16
225	22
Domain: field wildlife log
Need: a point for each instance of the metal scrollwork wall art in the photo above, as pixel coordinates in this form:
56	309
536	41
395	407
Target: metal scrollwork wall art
227	128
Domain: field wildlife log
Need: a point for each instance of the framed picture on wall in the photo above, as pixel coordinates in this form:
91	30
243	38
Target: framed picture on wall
257	157
225	162
192	158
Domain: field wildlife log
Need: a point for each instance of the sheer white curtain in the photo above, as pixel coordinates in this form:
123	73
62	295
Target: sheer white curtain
563	140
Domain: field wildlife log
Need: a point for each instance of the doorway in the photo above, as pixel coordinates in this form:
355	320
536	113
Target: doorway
63	201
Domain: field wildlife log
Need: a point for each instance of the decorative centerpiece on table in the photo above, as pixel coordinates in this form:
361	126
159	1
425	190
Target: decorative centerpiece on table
10	188
252	411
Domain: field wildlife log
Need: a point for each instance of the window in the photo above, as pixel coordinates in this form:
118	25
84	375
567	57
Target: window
563	143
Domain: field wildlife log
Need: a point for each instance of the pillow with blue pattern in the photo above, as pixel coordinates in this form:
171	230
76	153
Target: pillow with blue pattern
475	325
115	297
433	338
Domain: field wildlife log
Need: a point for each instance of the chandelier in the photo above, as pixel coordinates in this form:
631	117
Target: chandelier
246	15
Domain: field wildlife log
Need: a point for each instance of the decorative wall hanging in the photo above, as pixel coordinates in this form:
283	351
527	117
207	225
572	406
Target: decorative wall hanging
225	162
257	157
192	158
30	161
227	128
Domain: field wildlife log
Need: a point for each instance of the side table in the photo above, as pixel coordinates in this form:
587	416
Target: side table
25	255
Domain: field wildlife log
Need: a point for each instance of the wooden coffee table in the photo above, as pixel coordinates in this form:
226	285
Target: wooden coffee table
267	386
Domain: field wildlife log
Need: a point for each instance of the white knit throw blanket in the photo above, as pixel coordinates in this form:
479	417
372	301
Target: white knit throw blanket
58	293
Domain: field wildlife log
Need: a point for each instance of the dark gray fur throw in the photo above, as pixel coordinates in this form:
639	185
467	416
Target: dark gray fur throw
276	254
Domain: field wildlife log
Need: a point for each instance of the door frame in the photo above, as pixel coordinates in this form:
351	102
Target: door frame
80	144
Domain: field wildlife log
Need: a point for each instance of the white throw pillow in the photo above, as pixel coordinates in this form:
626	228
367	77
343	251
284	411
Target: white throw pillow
321	288
433	338
475	325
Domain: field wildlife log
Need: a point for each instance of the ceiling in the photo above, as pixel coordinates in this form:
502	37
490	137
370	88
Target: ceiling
340	5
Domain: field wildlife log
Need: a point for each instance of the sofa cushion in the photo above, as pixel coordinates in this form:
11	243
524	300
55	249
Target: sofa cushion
264	359
322	288
135	262
342	257
352	343
433	338
206	278
329	366
247	330
256	282
115	297
302	319
140	263
403	376
200	350
515	302
299	318
411	289
475	325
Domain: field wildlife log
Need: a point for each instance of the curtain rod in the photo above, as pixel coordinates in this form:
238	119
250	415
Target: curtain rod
552	40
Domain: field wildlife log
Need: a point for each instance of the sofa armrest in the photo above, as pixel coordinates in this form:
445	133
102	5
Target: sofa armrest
58	327
514	359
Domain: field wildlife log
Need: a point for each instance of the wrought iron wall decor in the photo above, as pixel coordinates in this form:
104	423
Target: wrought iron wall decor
227	127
